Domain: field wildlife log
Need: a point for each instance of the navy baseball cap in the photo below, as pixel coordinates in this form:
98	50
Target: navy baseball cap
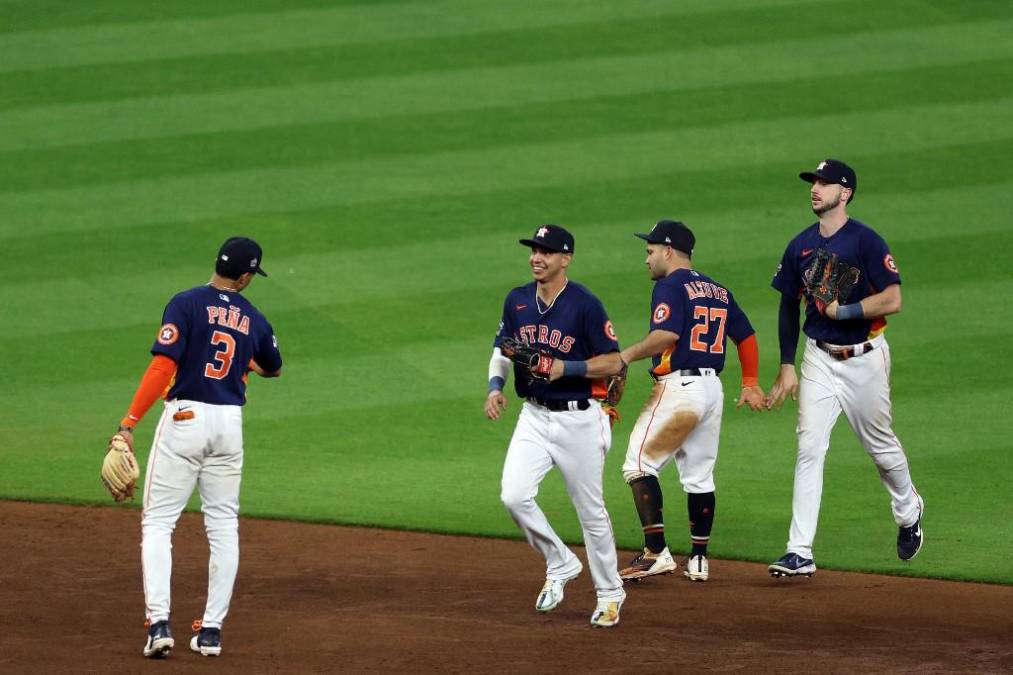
833	171
671	233
239	255
551	238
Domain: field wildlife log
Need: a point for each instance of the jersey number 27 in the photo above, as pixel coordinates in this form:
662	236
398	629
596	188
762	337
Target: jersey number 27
706	316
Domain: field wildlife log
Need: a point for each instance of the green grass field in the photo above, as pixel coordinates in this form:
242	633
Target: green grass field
388	155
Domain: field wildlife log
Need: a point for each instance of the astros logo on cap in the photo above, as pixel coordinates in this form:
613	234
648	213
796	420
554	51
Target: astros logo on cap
542	233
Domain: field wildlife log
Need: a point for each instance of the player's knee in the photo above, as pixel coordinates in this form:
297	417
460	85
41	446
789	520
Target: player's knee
516	500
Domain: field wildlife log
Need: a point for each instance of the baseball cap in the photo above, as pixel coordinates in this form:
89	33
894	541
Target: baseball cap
551	238
671	233
239	255
833	171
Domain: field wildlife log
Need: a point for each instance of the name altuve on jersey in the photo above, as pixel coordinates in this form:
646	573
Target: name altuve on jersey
705	289
230	318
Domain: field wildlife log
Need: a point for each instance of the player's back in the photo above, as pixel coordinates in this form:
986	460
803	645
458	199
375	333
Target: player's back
703	313
212	335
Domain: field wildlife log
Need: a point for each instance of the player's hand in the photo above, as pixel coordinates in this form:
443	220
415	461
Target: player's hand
255	367
556	370
785	385
831	310
127	433
754	397
495	403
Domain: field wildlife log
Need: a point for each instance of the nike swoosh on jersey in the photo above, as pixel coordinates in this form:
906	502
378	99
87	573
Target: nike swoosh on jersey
520	308
806	251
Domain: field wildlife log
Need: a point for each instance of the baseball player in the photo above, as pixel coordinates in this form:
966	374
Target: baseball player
844	272
691	316
210	336
560	424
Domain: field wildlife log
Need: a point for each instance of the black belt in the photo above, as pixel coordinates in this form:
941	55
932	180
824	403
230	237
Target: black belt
844	353
687	372
556	405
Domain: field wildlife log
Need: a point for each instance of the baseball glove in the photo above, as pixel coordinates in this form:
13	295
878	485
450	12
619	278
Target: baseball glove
615	387
829	278
119	469
537	362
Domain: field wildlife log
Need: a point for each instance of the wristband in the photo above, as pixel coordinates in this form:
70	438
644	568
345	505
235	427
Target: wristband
496	384
574	368
852	311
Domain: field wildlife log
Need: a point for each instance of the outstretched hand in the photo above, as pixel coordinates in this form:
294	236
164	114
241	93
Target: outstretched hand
785	385
754	397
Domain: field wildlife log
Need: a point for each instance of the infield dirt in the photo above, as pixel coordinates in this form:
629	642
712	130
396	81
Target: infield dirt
319	598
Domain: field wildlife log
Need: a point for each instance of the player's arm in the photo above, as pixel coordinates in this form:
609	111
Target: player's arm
786	383
884	303
499	370
153	384
613	363
255	367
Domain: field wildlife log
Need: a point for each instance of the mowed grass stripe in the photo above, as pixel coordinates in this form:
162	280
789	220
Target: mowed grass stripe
303	145
351	23
704	196
235	193
731	246
712	198
577	40
480	88
22	16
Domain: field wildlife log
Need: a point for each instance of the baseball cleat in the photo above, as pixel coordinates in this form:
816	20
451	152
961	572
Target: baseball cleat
552	592
160	641
208	642
606	614
697	568
792	565
909	539
648	564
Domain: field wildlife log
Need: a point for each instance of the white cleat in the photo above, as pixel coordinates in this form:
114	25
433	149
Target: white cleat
552	592
697	568
606	614
648	564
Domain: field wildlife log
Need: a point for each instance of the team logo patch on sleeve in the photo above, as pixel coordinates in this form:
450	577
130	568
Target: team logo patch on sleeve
610	331
890	264
662	312
168	334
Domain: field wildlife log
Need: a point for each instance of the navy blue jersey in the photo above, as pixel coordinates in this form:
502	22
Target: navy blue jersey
703	313
859	246
212	335
576	328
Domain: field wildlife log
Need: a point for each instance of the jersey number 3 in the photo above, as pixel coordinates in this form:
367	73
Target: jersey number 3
706	316
223	357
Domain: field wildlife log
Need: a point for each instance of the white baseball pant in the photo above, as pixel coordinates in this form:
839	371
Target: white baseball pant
860	388
205	451
575	441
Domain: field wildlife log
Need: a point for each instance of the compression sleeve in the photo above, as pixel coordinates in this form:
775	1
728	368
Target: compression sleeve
788	328
749	357
152	387
499	368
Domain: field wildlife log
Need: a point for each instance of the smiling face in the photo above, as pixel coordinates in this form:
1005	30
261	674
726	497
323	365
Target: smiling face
547	266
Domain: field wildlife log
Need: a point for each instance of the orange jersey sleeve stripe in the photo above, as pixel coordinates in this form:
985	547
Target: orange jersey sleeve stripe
749	357
154	385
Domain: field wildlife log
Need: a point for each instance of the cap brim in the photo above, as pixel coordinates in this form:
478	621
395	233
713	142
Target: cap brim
810	177
541	244
647	238
261	272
